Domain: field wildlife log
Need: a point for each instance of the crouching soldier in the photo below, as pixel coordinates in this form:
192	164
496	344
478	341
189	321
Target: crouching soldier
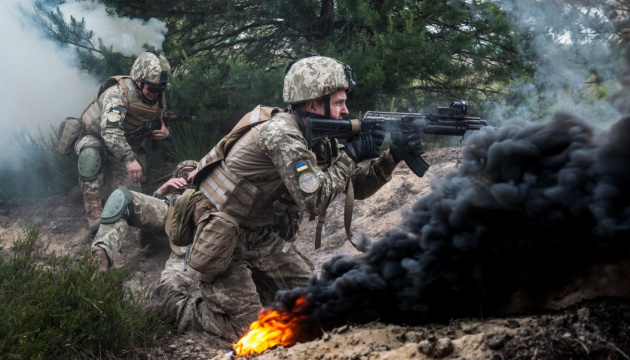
125	208
113	134
256	183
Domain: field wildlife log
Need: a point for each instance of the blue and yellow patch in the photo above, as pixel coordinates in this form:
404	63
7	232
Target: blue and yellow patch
301	166
115	110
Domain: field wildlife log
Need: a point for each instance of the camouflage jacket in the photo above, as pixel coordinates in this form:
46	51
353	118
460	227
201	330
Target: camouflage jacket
117	110
274	158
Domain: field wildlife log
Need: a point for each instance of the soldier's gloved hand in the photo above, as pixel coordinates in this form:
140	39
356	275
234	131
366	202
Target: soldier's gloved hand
365	145
401	146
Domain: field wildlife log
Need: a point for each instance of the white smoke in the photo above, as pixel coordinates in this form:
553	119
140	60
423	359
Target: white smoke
569	56
40	83
123	34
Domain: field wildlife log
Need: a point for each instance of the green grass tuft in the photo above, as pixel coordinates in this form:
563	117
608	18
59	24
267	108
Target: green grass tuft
54	307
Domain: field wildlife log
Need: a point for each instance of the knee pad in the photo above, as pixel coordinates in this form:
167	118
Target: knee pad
119	201
89	164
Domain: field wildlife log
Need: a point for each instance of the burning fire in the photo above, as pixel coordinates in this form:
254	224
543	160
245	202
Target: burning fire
273	328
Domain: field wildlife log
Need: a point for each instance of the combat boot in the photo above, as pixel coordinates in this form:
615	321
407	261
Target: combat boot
100	259
93	209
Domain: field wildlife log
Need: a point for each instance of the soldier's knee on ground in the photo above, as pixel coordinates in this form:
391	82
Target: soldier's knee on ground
170	297
198	316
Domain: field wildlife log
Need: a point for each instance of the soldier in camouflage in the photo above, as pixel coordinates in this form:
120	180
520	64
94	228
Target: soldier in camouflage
124	208
107	159
257	184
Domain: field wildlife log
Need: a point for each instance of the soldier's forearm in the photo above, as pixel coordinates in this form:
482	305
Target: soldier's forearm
117	145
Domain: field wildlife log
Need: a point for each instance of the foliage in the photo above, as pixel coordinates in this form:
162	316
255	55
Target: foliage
93	58
222	95
55	307
229	55
40	170
397	48
190	141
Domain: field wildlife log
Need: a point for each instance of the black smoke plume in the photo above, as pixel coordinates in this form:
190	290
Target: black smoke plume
531	206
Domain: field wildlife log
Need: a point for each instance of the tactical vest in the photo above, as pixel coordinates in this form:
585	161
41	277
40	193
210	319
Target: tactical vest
138	112
251	205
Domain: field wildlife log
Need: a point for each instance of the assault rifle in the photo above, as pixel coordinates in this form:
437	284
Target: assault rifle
146	130
450	120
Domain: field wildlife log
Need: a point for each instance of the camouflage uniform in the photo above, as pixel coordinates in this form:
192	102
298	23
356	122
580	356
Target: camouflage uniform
270	159
149	214
112	144
119	109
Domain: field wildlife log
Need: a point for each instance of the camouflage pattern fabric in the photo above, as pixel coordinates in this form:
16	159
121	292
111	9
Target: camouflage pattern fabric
148	68
225	305
89	141
113	174
119	153
111	125
314	77
287	149
229	302
150	214
175	265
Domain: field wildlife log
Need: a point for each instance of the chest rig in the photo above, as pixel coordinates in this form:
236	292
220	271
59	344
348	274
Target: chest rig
251	205
254	205
138	112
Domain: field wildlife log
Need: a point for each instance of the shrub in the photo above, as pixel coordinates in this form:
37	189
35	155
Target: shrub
55	307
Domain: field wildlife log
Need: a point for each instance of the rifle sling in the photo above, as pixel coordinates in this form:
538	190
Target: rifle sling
318	231
347	214
347	219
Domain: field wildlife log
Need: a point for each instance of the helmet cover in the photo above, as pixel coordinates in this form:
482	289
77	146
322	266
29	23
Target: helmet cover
315	77
151	68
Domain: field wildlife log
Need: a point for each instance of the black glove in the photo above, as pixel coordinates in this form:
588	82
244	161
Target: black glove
365	145
402	145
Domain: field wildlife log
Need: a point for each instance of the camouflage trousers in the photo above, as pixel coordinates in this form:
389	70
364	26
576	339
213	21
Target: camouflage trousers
149	215
113	173
225	305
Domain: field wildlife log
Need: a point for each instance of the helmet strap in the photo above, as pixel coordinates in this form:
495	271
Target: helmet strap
305	114
327	107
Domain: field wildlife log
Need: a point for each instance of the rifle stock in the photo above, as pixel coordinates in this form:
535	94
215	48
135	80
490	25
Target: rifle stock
449	121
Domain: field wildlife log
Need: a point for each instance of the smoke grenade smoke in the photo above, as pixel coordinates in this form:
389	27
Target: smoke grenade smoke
531	206
42	86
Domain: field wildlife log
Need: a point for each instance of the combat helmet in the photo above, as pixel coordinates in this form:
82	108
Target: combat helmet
314	77
151	68
183	164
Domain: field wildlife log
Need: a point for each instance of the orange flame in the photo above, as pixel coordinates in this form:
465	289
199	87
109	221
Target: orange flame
272	328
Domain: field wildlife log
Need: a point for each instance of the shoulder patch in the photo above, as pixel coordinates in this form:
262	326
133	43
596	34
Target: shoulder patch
308	182
113	117
301	166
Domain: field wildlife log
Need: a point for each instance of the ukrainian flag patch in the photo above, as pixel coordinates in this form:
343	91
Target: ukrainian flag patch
115	110
301	166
